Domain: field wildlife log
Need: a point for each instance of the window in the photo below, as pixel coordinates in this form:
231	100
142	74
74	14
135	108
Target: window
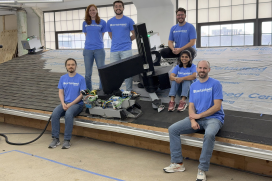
225	10
67	25
266	33
239	34
71	40
49	29
190	7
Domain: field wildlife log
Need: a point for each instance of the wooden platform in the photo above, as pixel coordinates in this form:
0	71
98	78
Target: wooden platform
258	166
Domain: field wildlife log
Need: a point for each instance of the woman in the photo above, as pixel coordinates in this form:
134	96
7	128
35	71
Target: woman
94	29
182	76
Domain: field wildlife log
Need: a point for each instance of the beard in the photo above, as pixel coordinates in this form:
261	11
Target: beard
70	70
181	20
121	12
202	75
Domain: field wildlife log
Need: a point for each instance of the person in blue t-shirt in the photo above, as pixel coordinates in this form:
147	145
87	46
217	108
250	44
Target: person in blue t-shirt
71	105
119	28
182	36
94	29
205	113
182	77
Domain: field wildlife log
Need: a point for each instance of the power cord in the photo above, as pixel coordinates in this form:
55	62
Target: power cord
20	144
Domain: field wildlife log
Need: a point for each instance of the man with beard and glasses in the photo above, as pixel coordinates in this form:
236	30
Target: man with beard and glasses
205	113
71	105
119	29
182	34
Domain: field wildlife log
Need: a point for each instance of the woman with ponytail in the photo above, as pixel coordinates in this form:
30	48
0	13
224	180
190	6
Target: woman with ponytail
94	29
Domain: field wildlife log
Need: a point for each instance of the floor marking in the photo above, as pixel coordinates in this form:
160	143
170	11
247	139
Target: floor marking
63	164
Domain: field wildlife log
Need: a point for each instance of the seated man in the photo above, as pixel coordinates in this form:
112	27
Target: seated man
71	105
182	76
182	36
205	113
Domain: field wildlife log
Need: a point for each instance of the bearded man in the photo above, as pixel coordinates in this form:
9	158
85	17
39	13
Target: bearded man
119	28
71	105
182	36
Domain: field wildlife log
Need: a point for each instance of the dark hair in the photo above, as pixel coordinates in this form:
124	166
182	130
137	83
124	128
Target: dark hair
119	2
181	9
88	18
189	55
70	59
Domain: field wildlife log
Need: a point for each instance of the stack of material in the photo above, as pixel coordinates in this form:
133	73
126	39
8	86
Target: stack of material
9	41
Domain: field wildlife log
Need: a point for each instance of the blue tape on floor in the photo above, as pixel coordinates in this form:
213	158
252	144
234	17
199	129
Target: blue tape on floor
64	165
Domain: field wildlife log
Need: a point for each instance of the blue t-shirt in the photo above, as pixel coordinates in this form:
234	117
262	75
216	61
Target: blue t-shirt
203	96
120	29
183	72
94	38
72	87
182	35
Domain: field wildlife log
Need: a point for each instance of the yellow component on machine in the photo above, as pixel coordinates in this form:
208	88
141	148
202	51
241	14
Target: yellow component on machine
93	92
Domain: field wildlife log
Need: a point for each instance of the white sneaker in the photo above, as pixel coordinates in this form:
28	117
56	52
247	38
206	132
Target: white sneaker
201	175
174	167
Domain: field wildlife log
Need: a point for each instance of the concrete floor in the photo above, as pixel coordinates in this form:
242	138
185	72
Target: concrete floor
90	159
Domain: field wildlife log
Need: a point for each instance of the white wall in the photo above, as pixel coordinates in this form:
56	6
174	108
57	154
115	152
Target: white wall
158	16
33	23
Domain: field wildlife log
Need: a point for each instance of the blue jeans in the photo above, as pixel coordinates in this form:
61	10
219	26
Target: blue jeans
69	115
116	56
211	127
181	89
89	57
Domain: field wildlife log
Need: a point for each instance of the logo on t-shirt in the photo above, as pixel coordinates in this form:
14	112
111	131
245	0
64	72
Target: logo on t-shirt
125	24
184	73
71	83
203	90
182	31
93	25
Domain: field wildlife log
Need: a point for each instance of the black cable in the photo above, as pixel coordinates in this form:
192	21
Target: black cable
6	138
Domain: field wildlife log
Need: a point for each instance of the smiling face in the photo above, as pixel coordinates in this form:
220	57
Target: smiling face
92	12
118	8
184	58
181	17
71	66
203	68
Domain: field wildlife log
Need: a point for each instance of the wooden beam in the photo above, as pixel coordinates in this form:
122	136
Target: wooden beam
2	116
152	128
221	158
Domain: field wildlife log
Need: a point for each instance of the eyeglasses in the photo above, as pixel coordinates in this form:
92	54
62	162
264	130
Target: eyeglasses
180	14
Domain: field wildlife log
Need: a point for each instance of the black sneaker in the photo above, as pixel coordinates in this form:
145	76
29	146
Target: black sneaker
66	144
54	143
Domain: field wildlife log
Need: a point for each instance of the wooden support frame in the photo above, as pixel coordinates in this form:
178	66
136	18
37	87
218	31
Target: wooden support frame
244	163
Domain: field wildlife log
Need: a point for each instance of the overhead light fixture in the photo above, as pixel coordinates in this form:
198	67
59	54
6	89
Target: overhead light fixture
30	1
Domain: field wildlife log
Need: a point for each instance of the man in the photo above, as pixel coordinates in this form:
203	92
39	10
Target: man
205	113
119	29
182	34
71	105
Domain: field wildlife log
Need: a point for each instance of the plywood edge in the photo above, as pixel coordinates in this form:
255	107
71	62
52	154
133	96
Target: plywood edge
220	158
152	128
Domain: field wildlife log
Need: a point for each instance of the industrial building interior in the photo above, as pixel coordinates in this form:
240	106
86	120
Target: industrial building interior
233	35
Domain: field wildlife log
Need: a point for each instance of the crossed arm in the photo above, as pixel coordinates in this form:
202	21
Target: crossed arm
181	79
193	116
66	106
